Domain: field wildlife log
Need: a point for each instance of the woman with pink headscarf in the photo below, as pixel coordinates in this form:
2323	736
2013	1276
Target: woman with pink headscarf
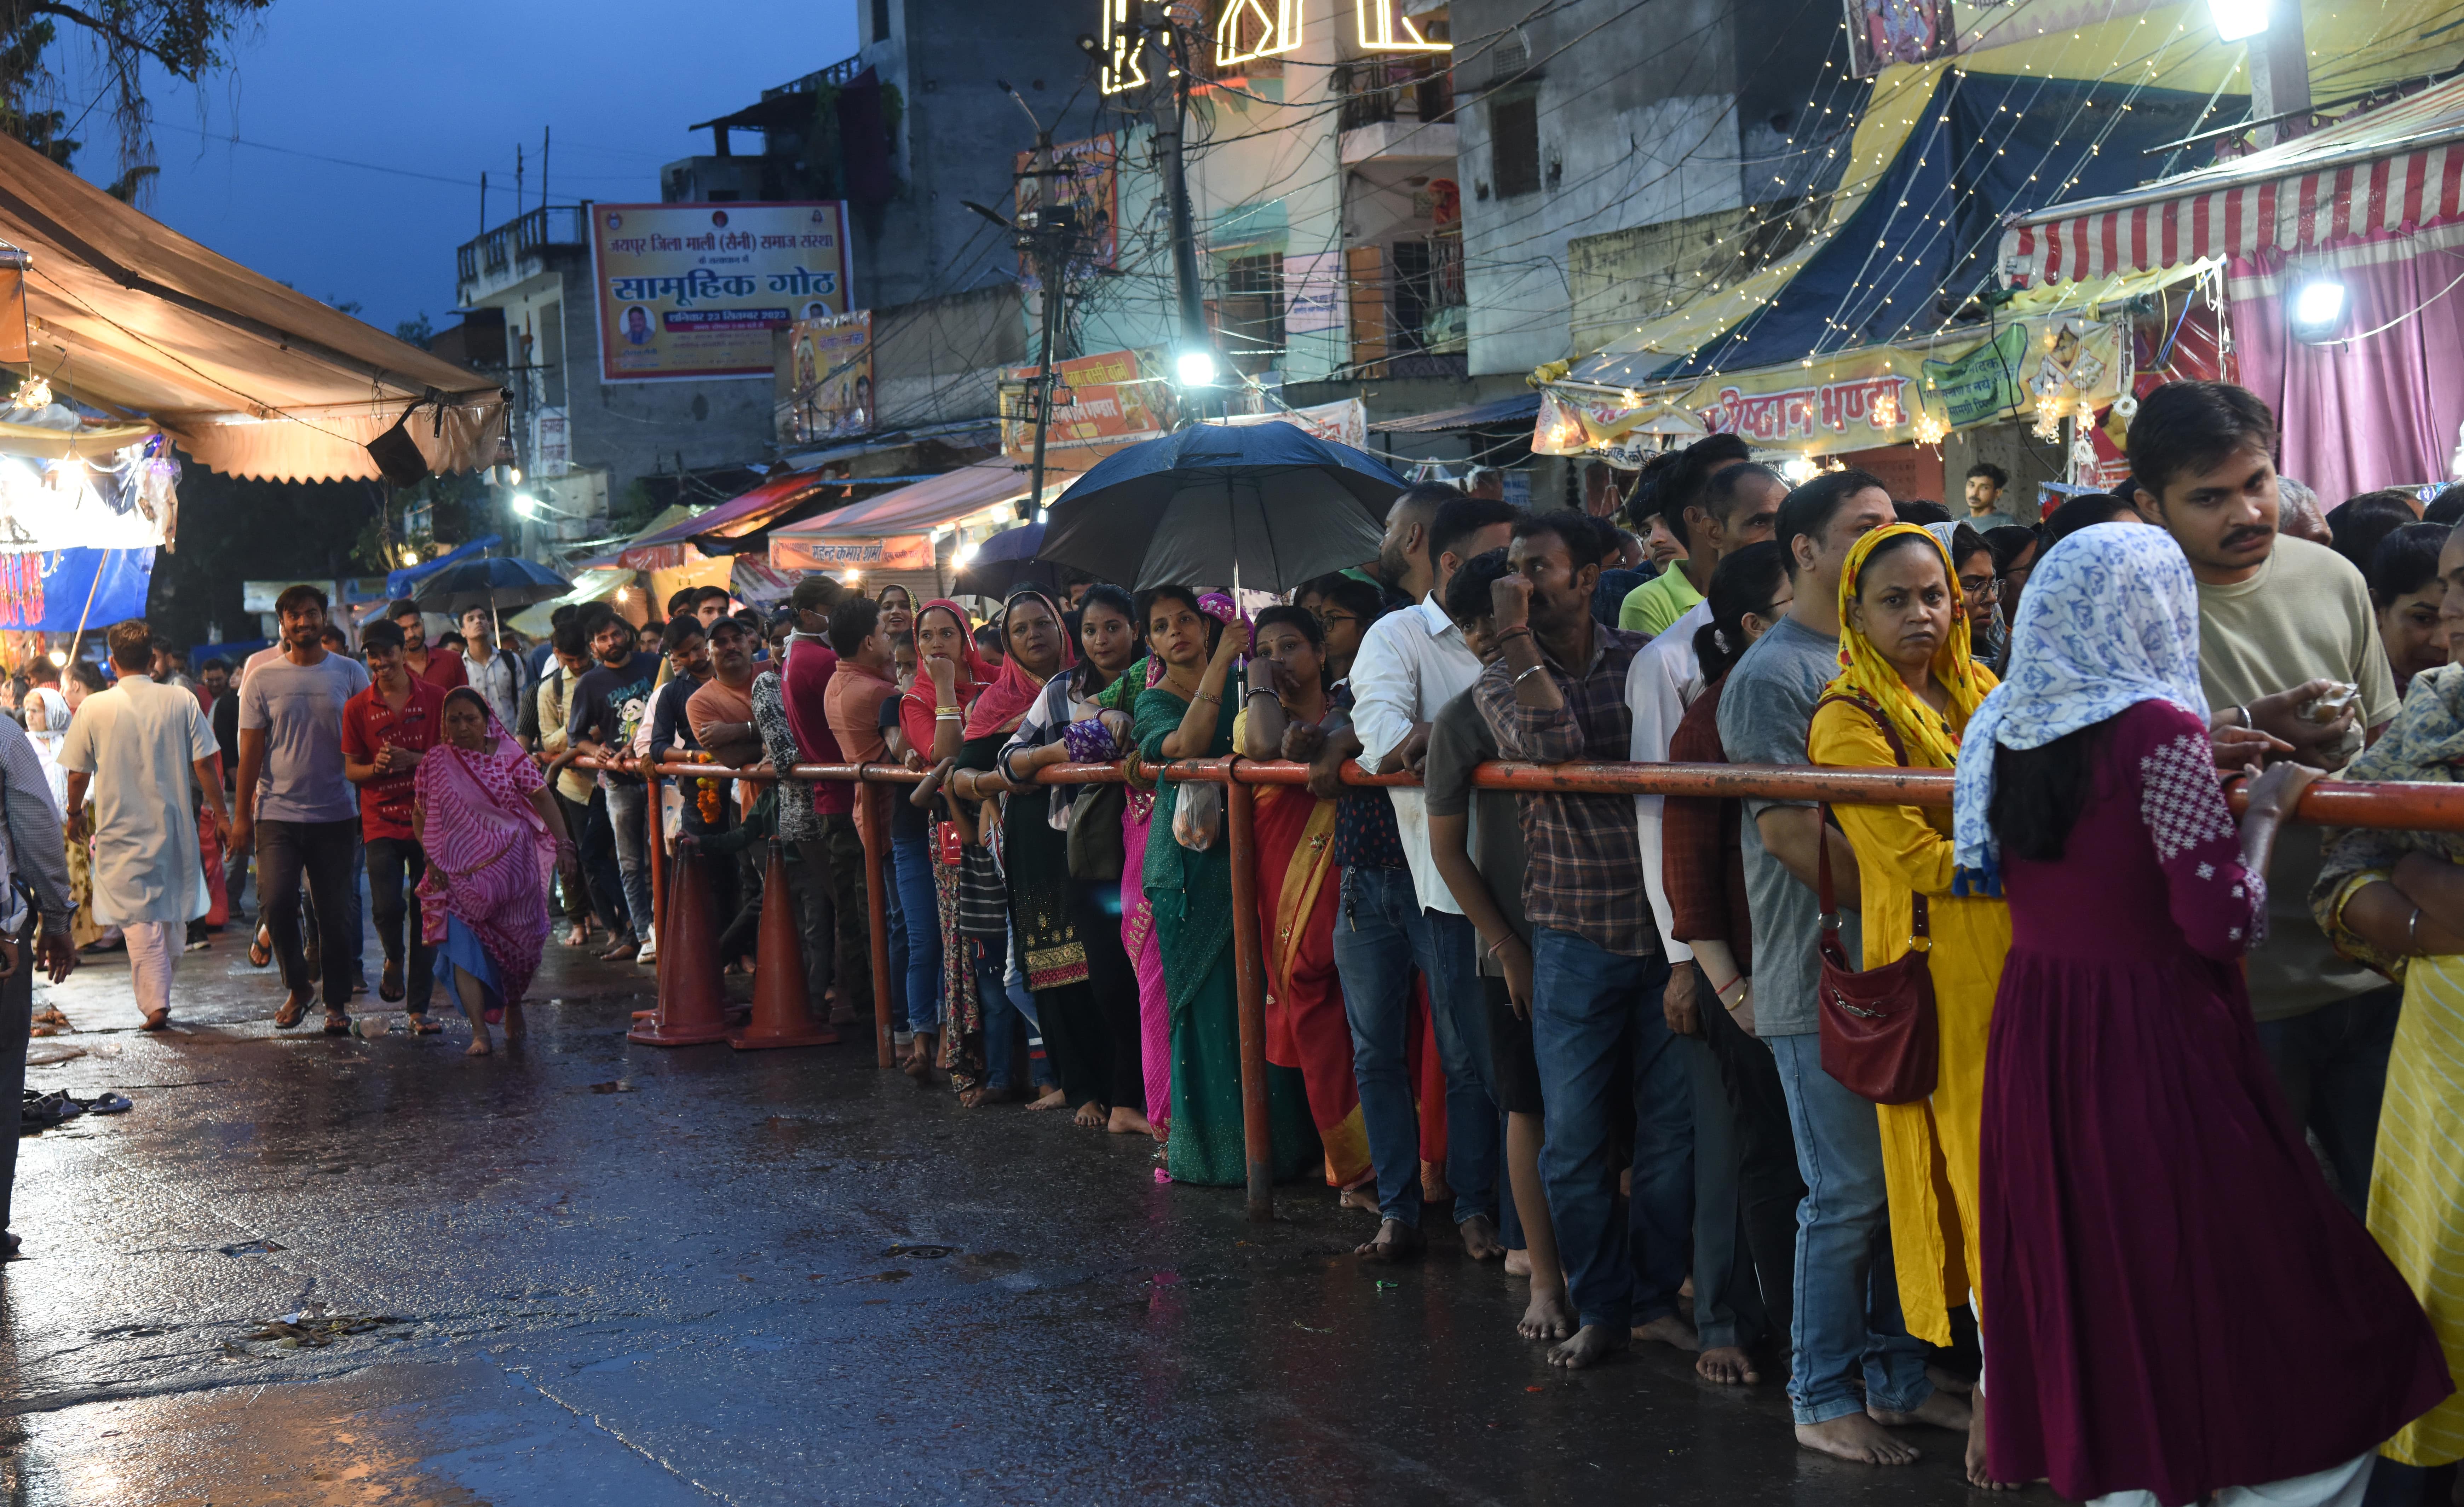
493	837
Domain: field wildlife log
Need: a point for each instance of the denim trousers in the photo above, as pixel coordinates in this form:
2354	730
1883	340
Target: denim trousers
395	868
628	807
1380	936
2333	1066
919	907
1597	1033
1847	1299
893	916
594	841
1002	1012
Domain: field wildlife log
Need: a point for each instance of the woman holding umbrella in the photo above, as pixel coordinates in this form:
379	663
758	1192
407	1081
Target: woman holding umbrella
1184	716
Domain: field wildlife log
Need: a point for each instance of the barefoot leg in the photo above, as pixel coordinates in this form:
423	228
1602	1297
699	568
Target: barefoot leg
1549	1316
474	1007
1091	1116
1592	1344
1857	1438
514	1029
1727	1366
1128	1120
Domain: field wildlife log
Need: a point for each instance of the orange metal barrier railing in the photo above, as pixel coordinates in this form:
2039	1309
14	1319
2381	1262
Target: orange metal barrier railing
2325	803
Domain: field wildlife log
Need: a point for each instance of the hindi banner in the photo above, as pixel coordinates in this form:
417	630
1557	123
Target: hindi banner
1114	399
1089	181
830	380
693	290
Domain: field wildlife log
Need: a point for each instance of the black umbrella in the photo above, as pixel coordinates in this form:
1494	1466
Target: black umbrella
500	583
1007	562
1264	506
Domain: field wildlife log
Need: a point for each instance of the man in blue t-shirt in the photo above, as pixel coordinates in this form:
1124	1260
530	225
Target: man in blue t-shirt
299	807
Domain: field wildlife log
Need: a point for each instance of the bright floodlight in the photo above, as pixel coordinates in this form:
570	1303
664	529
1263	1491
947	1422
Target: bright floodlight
1195	368
2236	19
526	504
2316	309
962	555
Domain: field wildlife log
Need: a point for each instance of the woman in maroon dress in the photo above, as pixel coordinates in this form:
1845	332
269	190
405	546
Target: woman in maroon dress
2174	1305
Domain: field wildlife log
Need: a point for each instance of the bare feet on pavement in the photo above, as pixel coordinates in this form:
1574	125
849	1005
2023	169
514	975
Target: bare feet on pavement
1518	1263
1592	1344
1976	1475
1362	1196
1858	1438
1480	1238
1050	1099
1395	1244
1090	1116
1941	1409
1549	1318
1670	1330
1728	1365
1127	1120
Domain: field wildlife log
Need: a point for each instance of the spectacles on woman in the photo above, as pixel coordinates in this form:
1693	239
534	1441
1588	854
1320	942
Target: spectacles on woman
1979	588
1328	620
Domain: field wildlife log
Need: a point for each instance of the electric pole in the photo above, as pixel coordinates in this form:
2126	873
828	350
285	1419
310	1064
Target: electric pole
1048	236
1172	116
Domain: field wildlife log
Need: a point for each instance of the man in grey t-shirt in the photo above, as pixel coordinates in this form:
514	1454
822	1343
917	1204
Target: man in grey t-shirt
1848	1301
305	817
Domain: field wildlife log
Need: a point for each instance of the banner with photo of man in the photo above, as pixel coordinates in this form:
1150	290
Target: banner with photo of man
830	393
694	290
1087	178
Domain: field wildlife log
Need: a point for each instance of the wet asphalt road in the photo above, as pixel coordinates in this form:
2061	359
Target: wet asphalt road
635	1276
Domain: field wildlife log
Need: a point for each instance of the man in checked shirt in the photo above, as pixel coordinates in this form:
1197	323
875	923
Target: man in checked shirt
1558	694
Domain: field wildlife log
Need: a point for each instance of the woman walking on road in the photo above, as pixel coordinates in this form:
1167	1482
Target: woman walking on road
493	835
2175	1303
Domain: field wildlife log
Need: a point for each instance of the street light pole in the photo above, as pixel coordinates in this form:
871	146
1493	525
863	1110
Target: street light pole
1050	260
1172	118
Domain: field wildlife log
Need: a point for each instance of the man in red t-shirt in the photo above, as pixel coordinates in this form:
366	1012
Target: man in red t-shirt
845	933
436	667
385	730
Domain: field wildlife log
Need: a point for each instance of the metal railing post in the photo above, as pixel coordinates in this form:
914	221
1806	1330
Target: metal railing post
1250	982
658	837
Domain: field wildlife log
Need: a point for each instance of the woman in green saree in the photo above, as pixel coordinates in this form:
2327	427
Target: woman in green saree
1183	715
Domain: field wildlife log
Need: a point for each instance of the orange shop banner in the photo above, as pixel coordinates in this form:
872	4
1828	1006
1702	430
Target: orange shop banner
896	551
1118	398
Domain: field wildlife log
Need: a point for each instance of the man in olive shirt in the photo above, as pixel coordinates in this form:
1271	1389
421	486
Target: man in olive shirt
2275	612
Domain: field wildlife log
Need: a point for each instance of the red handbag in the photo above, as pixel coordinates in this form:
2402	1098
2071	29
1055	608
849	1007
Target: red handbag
1880	1037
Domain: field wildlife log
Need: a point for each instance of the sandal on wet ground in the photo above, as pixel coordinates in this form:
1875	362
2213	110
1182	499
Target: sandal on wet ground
260	951
292	1009
420	1025
336	1023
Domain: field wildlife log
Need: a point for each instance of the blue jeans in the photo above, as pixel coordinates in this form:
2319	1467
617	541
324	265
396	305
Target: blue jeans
1595	1018
893	913
918	904
1847	1292
2332	1063
628	807
1001	1009
1380	934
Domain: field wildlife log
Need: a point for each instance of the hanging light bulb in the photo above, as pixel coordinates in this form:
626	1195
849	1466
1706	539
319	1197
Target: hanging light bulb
1930	428
2049	422
34	393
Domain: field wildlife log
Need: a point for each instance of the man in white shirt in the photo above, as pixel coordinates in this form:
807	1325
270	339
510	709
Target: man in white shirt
136	744
492	672
1411	663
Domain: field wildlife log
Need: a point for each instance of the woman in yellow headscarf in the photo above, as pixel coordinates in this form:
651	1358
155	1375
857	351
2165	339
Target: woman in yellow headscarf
1906	690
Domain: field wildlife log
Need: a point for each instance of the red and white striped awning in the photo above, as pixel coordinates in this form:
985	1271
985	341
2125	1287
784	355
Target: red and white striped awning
2391	172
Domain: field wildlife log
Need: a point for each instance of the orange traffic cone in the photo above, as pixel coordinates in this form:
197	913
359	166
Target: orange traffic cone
781	1017
693	1002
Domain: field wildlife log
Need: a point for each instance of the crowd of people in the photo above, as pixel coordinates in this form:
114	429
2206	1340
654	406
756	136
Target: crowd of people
1794	1088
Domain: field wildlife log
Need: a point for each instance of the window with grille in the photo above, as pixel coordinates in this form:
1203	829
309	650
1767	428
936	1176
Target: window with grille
1514	146
1251	311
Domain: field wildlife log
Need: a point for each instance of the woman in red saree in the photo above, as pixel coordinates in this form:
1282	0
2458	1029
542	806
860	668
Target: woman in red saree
493	837
1298	892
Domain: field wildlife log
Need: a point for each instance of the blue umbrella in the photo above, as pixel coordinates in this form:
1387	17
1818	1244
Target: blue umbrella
500	583
1007	562
1264	506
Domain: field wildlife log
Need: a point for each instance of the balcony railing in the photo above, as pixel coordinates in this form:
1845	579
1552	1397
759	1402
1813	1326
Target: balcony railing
837	74
494	254
1380	89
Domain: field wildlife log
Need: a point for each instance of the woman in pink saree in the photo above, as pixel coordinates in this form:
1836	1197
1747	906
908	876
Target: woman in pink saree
493	837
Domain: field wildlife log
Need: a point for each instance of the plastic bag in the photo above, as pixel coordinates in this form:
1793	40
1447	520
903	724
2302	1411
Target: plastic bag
1197	819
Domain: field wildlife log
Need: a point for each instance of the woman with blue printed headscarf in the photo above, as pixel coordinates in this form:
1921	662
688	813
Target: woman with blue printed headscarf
2174	1303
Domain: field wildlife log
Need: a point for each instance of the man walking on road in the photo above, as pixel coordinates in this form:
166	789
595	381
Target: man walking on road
291	738
439	668
136	745
386	731
31	854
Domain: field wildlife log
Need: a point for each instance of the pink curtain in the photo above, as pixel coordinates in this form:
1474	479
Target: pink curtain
2380	412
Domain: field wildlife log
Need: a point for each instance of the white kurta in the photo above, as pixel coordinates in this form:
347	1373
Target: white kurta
138	740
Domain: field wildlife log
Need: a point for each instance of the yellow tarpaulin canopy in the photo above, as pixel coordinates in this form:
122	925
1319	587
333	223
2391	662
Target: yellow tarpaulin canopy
251	377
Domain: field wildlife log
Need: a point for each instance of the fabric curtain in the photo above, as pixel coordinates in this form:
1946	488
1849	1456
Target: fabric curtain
2379	412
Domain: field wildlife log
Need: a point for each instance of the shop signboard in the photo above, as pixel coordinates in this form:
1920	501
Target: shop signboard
1982	385
895	552
692	291
1881	33
830	377
1116	399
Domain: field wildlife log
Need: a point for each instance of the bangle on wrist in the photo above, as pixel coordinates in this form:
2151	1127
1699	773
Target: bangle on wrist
1526	674
1523	629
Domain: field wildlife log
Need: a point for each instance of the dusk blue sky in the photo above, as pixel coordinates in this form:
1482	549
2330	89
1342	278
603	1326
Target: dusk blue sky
445	90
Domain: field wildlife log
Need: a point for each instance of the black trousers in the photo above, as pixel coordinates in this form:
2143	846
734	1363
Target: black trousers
395	866
1091	1029
1768	1188
594	841
323	851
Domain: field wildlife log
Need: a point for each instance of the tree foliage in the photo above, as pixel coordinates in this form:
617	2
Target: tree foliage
187	39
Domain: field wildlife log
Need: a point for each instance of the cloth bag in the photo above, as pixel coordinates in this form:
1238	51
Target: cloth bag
1096	851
